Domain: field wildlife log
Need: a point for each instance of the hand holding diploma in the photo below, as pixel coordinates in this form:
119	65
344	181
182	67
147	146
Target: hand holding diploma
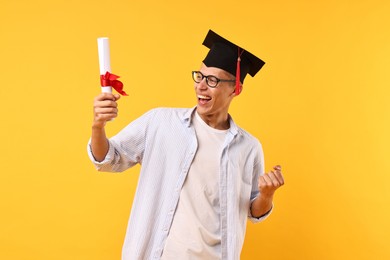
105	106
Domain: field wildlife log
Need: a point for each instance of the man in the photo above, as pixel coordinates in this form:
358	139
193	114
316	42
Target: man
202	176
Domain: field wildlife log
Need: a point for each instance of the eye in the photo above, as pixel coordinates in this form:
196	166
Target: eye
212	80
198	76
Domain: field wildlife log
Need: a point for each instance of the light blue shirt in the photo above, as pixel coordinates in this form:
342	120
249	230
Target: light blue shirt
163	141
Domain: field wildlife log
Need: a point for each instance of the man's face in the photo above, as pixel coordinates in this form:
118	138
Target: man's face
214	102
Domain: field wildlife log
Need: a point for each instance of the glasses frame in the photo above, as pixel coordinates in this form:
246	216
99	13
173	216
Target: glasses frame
194	72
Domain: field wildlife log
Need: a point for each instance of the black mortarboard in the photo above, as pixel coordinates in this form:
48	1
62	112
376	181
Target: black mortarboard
228	56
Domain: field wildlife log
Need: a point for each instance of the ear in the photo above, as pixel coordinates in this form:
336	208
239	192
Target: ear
239	90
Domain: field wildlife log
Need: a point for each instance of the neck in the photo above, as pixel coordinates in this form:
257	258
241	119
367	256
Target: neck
220	122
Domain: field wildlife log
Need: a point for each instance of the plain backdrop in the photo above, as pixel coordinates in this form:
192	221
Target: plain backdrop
320	107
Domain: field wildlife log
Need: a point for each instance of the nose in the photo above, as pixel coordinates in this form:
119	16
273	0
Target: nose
202	84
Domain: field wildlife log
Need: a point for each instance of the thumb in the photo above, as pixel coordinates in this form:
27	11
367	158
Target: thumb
277	168
117	97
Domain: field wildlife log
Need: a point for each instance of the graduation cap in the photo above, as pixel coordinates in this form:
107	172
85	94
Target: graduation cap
228	56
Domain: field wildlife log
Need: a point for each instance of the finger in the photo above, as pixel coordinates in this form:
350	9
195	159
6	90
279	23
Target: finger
106	110
271	177
275	180
265	180
105	117
105	96
278	173
105	103
279	176
117	97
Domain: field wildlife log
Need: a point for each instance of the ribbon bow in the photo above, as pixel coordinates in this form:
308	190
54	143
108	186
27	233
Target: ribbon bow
110	80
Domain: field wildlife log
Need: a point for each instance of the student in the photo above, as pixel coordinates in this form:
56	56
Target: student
202	176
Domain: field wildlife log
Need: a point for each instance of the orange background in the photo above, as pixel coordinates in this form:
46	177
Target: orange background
320	107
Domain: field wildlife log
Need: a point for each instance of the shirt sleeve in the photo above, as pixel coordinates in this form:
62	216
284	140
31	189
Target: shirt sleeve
126	149
258	170
107	159
261	218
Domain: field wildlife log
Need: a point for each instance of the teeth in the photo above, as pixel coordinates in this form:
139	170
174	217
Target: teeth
203	97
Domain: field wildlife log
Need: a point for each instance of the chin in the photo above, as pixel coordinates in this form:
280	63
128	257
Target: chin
202	109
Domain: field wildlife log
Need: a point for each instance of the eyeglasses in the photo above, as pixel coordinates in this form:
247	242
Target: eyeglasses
212	81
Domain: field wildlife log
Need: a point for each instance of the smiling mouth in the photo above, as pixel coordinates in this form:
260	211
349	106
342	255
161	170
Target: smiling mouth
203	99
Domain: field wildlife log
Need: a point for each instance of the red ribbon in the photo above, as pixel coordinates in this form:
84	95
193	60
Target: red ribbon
110	80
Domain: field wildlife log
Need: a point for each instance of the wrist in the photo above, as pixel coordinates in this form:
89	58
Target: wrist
96	125
264	214
261	206
266	196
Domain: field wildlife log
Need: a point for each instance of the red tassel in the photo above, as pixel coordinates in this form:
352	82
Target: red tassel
238	72
238	76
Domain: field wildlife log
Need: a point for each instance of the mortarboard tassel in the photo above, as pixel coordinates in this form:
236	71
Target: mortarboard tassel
238	72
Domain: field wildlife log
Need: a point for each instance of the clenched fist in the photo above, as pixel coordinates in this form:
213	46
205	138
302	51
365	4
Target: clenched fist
271	181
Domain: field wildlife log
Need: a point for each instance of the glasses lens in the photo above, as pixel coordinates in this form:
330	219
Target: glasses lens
212	81
197	76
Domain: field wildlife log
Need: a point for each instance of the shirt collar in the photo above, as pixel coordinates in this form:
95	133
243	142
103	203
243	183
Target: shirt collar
187	117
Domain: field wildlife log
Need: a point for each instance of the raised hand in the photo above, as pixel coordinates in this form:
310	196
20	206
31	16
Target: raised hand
271	181
105	108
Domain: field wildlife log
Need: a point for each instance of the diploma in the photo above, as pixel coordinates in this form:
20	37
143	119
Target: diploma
107	79
104	60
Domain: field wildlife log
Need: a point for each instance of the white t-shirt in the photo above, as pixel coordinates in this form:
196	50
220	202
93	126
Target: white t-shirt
195	232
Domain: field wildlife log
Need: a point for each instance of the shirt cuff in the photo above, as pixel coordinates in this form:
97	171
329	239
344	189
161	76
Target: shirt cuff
262	217
109	156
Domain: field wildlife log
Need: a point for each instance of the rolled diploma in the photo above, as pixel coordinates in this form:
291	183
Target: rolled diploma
104	60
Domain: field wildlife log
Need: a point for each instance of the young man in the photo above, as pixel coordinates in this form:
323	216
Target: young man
202	176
